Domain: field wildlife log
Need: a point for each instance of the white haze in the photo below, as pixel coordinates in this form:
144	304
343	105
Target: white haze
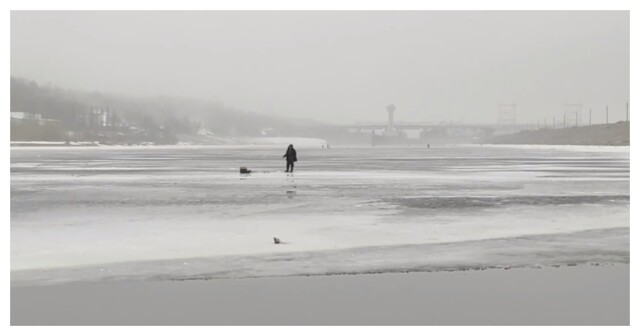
339	67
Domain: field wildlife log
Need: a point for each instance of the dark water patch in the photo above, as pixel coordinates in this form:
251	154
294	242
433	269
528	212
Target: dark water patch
489	202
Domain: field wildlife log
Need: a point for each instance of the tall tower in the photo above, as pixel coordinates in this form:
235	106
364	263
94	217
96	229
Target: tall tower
390	109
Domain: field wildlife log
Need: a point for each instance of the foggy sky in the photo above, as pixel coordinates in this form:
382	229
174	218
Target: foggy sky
340	67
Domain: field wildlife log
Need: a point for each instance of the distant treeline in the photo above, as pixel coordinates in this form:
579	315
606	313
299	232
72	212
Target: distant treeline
80	116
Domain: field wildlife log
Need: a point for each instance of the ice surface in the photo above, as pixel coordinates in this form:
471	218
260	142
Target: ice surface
80	213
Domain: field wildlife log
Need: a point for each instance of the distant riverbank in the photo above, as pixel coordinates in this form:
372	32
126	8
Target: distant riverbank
52	143
597	135
187	141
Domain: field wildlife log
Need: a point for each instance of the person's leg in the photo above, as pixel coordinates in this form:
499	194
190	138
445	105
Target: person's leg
291	170
287	170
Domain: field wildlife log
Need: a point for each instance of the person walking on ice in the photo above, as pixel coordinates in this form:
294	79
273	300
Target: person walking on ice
291	158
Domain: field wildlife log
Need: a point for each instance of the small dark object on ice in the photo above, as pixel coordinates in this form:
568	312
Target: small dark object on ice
244	170
276	240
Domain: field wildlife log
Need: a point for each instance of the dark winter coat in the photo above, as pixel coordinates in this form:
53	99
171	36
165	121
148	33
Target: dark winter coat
290	155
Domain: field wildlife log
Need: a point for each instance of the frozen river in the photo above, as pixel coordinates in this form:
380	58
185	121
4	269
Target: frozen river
185	212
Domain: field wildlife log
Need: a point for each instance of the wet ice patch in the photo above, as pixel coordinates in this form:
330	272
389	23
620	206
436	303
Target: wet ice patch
454	203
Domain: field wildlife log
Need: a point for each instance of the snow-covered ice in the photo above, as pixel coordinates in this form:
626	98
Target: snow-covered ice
186	212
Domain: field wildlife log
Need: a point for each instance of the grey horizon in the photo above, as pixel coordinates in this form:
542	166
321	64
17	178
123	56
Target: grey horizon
339	66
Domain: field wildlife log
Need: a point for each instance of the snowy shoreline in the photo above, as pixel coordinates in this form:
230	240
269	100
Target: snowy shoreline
298	142
611	246
240	142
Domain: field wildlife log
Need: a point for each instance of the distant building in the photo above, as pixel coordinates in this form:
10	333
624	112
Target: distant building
26	116
31	118
98	118
202	130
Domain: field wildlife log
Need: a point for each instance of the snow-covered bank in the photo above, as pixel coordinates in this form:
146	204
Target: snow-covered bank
226	142
52	143
251	141
592	247
284	141
604	134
